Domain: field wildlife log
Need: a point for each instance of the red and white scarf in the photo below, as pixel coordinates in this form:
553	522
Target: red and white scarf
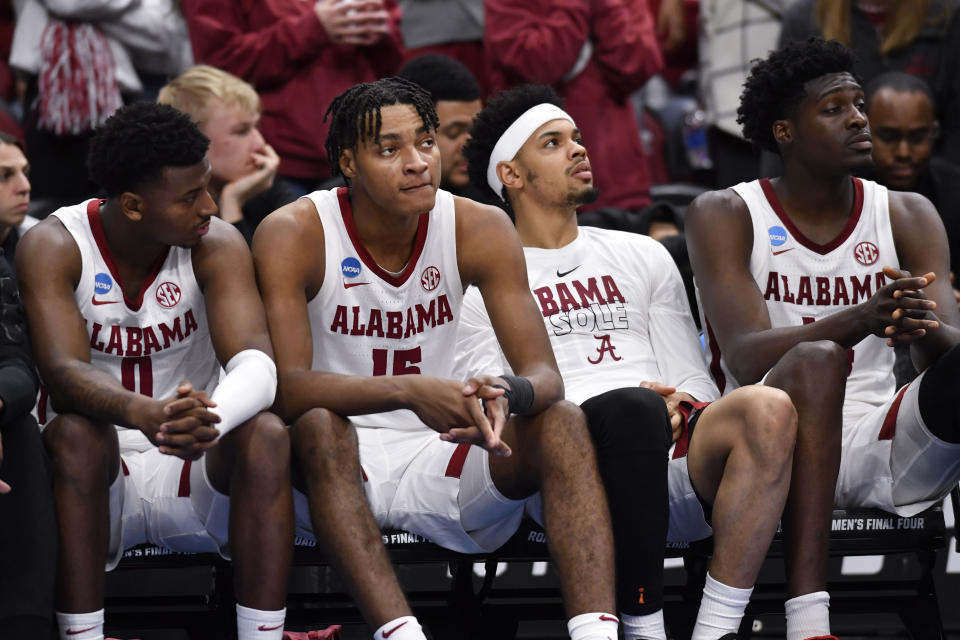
77	88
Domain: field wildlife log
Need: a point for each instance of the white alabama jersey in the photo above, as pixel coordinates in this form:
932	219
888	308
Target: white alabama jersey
151	343
615	309
802	281
367	321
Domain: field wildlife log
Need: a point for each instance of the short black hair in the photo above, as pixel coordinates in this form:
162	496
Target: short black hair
444	77
774	87
900	82
355	113
135	144
493	120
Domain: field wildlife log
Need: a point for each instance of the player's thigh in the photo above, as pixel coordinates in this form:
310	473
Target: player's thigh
446	493
758	419
180	506
890	460
689	514
556	435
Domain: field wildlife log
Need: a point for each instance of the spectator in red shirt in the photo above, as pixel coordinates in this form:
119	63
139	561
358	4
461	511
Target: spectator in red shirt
298	56
595	53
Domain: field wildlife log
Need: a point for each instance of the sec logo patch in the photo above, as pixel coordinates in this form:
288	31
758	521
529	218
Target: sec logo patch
866	253
430	279
168	295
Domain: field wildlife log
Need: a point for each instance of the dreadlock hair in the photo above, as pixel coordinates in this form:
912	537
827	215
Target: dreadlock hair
135	144
491	123
444	77
774	88
355	113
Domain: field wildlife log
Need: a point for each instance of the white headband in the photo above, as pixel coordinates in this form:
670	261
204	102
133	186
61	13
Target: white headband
517	134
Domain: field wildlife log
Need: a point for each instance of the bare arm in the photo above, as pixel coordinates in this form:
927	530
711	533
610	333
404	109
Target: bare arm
921	243
288	251
49	265
491	257
235	312
720	239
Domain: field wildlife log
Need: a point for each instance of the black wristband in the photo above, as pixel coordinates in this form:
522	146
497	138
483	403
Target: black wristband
519	395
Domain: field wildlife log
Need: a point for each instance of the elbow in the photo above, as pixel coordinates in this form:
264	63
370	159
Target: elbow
744	370
550	390
284	404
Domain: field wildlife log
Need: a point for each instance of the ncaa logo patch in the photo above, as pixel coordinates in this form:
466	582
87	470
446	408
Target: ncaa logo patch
866	253
778	236
168	295
350	267
430	279
102	283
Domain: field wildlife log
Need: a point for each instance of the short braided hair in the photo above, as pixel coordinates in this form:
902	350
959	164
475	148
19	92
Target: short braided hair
355	113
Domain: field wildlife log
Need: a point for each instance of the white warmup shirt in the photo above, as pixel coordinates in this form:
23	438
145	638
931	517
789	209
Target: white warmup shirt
616	311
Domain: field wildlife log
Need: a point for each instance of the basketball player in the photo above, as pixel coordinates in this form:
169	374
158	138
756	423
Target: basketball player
363	287
132	303
818	257
615	308
227	111
456	97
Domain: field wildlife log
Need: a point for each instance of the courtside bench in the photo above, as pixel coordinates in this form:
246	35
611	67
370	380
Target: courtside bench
153	588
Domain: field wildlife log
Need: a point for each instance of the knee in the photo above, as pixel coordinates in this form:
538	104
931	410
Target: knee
563	420
769	424
265	441
322	434
815	363
77	444
630	418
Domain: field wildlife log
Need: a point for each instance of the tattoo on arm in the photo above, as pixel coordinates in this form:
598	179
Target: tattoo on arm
89	391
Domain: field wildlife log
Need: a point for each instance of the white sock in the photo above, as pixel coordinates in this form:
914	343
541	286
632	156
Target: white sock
648	627
593	626
808	616
721	610
254	624
405	628
80	626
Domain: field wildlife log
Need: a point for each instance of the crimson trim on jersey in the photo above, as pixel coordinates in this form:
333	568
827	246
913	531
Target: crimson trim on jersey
93	214
183	491
890	420
457	460
123	465
683	442
343	195
822	249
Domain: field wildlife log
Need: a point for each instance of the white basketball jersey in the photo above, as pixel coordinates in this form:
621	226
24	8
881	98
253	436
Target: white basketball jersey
151	343
802	281
367	321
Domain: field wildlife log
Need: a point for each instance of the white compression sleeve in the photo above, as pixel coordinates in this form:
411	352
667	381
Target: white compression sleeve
248	388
